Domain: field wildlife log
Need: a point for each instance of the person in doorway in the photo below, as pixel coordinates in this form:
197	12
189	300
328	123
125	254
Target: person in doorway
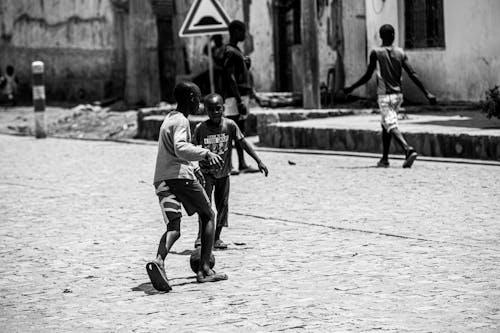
389	61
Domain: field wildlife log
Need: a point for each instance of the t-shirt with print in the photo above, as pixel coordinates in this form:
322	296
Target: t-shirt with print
219	140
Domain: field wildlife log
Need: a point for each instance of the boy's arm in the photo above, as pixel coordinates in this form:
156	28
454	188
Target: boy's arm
413	76
196	140
372	65
249	149
186	150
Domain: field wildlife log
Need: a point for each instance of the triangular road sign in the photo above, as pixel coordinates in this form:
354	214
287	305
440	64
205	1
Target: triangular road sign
205	17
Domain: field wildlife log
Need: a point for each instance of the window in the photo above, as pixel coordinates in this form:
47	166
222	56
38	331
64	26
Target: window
424	25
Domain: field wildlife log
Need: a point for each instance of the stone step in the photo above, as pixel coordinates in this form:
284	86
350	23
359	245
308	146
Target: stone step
426	133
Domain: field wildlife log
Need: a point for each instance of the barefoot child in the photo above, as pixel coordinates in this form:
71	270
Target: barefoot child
389	61
176	183
217	135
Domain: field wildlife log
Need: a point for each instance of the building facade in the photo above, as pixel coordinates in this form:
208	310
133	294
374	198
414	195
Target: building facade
130	49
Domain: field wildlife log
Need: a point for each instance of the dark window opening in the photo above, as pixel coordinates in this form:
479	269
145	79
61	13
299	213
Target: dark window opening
424	24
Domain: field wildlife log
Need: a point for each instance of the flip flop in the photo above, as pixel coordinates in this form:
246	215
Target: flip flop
155	274
212	278
219	244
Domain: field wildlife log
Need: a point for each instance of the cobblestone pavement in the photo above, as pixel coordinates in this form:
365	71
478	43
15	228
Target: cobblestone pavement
324	244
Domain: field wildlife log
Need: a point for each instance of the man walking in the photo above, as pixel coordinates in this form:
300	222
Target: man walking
389	61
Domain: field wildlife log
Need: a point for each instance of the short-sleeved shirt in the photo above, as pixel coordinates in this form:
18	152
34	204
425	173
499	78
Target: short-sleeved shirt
233	57
389	69
219	140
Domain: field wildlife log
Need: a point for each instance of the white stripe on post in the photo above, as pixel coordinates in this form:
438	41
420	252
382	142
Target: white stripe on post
39	98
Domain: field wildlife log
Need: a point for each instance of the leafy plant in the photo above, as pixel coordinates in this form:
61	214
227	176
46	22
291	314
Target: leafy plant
491	105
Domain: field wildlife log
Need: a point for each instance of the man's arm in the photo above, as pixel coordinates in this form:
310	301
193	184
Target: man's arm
249	149
372	65
414	77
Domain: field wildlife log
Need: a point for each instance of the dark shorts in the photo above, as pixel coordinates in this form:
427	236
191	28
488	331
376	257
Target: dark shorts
174	192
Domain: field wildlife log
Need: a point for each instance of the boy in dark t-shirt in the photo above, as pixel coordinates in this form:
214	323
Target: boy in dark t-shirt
217	135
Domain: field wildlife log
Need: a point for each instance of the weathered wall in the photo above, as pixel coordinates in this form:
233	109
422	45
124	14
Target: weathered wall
74	38
470	61
260	27
142	73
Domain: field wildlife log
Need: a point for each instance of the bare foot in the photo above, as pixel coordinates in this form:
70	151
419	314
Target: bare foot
210	276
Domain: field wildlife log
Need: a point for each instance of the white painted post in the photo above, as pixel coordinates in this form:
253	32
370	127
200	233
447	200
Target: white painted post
37	69
210	66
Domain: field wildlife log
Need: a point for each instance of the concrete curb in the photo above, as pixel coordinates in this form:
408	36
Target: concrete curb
428	144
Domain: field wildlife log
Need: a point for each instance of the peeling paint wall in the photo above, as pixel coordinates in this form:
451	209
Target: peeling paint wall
73	37
470	62
260	28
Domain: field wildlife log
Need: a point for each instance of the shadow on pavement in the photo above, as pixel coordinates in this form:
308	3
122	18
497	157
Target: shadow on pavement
357	167
148	289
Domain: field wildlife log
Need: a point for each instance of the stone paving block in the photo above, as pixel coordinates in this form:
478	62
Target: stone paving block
327	244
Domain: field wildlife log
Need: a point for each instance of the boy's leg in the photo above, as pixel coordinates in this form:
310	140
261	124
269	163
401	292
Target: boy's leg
195	200
209	187
207	241
410	152
239	149
221	197
171	211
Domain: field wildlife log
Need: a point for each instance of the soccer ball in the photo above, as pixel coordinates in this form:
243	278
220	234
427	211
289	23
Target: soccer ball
194	260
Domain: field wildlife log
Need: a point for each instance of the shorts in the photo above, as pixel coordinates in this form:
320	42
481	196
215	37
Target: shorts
231	107
389	107
174	192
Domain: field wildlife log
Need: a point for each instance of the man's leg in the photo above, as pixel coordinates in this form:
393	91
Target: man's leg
221	197
389	107
209	187
410	153
386	145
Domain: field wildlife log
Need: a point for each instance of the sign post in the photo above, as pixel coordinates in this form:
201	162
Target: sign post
37	68
210	65
206	18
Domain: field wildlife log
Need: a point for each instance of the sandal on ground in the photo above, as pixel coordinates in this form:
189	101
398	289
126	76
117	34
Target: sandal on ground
383	163
212	278
219	244
157	277
411	156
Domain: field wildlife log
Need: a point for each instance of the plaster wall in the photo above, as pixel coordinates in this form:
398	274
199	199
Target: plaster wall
261	50
74	39
470	61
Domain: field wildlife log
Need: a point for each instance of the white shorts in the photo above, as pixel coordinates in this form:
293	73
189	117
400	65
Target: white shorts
231	107
389	107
